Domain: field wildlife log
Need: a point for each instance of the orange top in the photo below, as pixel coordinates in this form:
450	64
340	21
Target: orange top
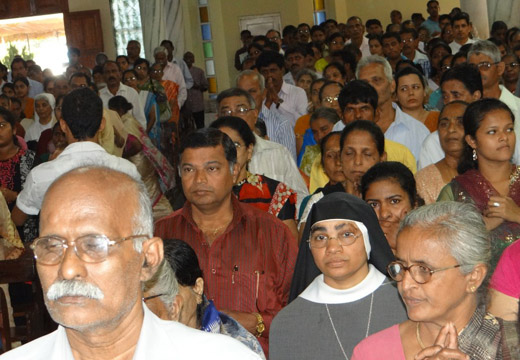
302	124
29	108
432	120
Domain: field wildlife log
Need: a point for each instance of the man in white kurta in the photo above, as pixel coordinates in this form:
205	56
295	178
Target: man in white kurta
95	248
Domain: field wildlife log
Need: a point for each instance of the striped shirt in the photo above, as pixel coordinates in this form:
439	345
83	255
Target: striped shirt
279	129
248	268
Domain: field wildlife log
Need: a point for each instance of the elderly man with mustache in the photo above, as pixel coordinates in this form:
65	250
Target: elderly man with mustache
95	249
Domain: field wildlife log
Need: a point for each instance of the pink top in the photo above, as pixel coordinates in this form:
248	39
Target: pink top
385	344
506	277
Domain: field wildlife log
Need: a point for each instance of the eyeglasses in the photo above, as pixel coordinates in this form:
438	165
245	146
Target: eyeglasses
512	65
130	78
330	99
319	241
420	273
145	299
274	38
485	65
49	250
238	111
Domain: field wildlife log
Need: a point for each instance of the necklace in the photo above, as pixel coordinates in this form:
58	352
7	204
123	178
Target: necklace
418	336
334	327
215	231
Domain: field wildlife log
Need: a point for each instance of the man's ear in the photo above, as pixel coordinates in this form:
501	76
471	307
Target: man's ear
393	86
501	67
175	309
384	156
477	95
64	127
153	255
236	172
198	289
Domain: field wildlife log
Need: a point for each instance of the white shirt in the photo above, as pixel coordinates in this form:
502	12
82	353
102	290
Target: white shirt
364	48
129	94
294	102
173	73
289	79
275	161
81	153
431	151
35	130
455	46
158	340
188	79
407	131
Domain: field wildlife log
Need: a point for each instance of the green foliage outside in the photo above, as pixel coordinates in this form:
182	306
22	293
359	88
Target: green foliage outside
12	51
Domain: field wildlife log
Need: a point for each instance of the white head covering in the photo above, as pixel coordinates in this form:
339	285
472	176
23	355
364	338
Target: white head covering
47	97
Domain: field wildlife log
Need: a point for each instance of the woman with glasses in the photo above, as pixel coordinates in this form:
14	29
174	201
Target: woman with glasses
346	297
487	177
150	106
257	190
442	264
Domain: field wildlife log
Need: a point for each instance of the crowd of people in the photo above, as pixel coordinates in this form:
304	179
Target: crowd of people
356	197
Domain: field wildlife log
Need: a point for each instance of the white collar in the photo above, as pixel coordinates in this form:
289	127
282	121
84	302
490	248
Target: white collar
319	292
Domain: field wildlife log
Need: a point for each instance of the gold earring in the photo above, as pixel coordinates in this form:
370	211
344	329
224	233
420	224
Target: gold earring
472	289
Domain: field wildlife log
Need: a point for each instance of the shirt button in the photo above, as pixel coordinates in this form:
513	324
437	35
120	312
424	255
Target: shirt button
213	271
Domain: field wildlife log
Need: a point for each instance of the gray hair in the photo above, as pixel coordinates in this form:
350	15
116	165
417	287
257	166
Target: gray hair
232	92
375	59
160	49
163	282
142	220
325	113
256	75
460	228
485	47
309	72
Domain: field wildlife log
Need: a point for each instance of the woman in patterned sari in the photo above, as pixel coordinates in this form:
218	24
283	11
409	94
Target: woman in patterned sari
488	178
156	172
15	164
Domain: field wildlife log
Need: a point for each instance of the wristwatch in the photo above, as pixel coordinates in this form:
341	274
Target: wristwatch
260	326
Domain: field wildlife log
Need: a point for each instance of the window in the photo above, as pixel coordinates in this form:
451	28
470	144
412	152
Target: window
126	17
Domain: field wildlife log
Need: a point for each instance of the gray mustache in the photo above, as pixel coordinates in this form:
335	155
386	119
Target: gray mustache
74	288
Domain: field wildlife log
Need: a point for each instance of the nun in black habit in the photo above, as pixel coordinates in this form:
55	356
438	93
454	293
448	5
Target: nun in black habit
324	320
